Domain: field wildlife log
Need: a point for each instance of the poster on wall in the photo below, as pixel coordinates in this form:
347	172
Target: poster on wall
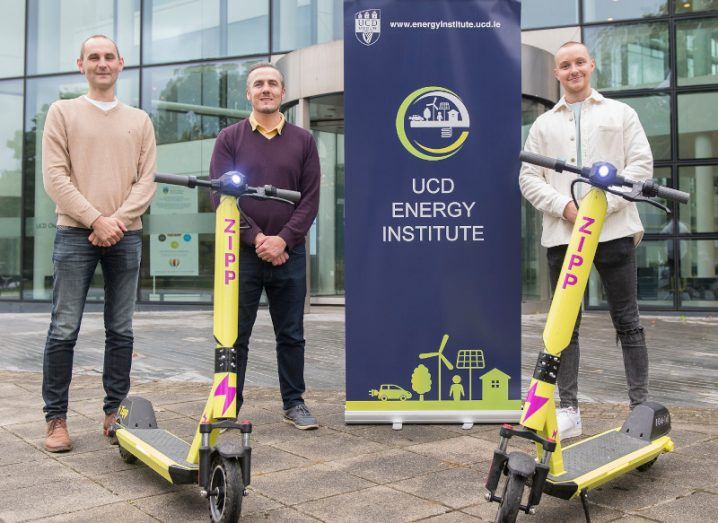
174	253
432	227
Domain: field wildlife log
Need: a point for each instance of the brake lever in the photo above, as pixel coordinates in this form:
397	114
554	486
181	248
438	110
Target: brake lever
635	196
258	196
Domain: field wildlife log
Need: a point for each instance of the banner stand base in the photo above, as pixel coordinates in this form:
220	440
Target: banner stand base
466	418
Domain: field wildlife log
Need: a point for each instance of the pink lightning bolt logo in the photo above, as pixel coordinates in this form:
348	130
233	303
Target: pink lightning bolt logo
224	389
533	401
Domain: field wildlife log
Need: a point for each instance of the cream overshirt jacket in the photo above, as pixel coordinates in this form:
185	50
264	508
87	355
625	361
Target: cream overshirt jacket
610	132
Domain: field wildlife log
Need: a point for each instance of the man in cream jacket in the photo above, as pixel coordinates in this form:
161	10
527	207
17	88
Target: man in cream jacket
583	128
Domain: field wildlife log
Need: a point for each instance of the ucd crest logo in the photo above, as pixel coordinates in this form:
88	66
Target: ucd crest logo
367	26
432	123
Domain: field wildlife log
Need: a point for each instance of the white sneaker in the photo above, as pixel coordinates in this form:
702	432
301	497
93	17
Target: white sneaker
569	422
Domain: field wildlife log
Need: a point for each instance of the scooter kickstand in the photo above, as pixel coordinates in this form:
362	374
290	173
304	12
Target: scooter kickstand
584	502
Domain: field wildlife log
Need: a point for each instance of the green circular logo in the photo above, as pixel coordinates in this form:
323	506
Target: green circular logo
432	123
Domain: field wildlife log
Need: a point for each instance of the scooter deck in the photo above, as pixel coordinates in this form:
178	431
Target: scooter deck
594	461
162	451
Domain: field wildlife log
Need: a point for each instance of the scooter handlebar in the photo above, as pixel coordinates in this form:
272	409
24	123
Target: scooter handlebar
172	179
286	194
673	194
542	161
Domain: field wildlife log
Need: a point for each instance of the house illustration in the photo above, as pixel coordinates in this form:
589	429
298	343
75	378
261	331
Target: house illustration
495	386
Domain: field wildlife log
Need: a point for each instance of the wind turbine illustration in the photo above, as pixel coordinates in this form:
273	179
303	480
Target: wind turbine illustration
440	358
436	108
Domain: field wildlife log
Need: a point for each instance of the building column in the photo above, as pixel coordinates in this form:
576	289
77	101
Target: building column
705	209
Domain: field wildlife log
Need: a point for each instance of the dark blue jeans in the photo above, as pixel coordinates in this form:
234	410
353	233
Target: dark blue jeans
286	288
616	264
75	260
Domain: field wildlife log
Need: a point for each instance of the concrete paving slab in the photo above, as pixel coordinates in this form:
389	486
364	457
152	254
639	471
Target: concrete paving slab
35	430
550	510
463	450
123	511
136	482
267	459
328	446
410	434
373	504
95	463
307	484
685	471
455	516
278	515
454	488
329	469
700	449
696	507
389	466
632	493
19	452
37	473
53	498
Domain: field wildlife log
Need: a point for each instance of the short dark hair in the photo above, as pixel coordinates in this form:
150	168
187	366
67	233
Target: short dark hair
262	65
573	42
82	47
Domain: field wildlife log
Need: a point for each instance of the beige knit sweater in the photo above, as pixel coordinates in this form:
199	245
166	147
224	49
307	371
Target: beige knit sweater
98	163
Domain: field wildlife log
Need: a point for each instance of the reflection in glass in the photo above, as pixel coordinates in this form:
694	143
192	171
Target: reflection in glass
57	28
610	10
700	214
654	268
655	115
188	105
697	51
10	187
534	269
301	23
180	30
633	56
656	221
326	237
691	6
698	125
39	208
12	38
698	283
534	13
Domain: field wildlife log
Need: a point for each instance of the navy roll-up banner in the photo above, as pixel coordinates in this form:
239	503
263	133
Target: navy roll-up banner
432	230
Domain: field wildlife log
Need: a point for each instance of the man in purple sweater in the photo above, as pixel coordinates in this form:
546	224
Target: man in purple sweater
270	151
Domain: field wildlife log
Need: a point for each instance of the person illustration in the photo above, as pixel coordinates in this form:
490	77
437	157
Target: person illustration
456	391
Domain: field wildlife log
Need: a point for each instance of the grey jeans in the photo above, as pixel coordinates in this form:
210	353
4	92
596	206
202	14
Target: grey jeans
616	264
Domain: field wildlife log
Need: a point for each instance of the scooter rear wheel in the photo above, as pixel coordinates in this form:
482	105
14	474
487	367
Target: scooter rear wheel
225	490
511	499
127	456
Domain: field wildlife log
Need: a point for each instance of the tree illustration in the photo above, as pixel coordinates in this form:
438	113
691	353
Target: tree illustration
421	381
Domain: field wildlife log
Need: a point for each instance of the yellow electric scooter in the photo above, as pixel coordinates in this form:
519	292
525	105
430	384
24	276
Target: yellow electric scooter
572	471
222	470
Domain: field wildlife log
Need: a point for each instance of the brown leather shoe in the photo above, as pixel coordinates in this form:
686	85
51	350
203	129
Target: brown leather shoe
58	438
107	427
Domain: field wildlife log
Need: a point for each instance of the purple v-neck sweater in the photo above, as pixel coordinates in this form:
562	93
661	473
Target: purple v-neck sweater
287	161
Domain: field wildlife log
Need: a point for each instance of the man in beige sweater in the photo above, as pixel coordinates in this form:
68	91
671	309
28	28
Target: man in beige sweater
98	158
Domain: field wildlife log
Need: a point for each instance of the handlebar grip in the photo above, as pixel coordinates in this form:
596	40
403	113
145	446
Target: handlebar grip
537	159
673	194
292	196
172	179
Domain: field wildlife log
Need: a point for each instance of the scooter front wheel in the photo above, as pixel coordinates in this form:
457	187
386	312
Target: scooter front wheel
511	499
225	490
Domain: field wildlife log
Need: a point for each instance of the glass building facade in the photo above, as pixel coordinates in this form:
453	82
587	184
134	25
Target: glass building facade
186	63
661	58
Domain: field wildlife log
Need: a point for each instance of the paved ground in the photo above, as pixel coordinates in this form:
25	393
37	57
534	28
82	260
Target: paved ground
340	472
